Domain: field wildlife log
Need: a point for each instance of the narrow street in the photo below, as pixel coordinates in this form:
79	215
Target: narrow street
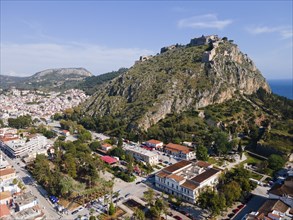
44	203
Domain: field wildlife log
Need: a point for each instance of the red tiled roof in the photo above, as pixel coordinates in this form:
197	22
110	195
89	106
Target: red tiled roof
177	148
189	185
4	211
153	141
202	164
5	195
6	171
177	166
108	159
176	177
4	139
106	145
162	174
205	175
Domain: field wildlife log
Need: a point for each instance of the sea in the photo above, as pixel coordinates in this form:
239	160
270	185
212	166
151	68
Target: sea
282	87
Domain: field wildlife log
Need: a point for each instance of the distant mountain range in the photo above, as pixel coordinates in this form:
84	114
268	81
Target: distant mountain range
62	78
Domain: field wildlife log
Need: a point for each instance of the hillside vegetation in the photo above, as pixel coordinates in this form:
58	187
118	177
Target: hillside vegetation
175	81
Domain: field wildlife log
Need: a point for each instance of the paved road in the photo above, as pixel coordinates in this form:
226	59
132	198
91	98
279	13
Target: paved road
253	205
43	202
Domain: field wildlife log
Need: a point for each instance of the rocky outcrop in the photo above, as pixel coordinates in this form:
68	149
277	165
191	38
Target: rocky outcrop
175	81
63	72
51	79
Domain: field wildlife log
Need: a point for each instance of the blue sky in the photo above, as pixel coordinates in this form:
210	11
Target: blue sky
102	36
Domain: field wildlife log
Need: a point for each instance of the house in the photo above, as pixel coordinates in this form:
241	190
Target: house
154	143
272	209
4	211
7	174
5	198
186	179
32	213
24	201
283	192
109	160
65	133
180	151
106	147
3	163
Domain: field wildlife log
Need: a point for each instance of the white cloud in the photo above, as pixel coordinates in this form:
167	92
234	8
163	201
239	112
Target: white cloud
27	59
204	21
284	31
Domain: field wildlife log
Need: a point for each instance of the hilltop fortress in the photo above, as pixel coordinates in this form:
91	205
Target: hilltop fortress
213	40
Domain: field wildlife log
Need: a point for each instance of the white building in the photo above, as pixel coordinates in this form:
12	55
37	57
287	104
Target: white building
21	147
186	179
180	151
25	201
141	154
154	143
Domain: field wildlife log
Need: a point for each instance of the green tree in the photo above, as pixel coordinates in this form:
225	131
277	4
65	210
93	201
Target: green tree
61	138
130	160
221	143
276	162
70	165
155	212
65	186
15	181
149	196
85	136
120	141
95	145
202	153
138	214
20	122
92	217
1	123
111	209
232	192
162	205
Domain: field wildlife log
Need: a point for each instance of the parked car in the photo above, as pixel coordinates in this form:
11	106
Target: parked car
231	215
138	182
235	210
177	217
127	195
74	212
240	206
160	160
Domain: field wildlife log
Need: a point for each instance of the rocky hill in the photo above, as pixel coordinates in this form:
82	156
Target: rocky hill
206	71
62	78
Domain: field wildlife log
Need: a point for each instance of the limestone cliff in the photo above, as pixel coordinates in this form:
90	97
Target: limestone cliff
177	80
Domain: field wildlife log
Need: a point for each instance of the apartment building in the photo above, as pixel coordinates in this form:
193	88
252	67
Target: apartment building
141	154
21	147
